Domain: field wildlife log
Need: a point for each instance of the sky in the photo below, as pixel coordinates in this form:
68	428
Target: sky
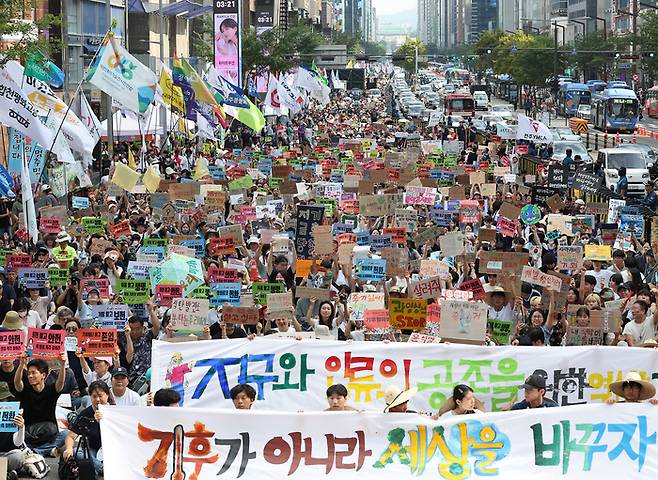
387	7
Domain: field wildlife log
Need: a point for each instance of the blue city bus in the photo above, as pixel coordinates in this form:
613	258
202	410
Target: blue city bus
615	110
618	84
570	96
596	86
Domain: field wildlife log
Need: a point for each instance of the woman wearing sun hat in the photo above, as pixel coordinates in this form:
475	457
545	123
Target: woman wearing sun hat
633	389
397	400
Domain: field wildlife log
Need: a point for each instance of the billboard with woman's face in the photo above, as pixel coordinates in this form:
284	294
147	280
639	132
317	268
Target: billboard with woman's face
227	40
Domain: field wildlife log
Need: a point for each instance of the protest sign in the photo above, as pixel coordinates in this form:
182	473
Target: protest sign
535	276
261	289
134	291
307	217
189	315
586	182
323	241
558	176
9	410
93	224
599	253
416	367
17	261
110	317
11	344
500	330
100	284
584	336
474	285
360	302
166	293
463	322
50	225
569	257
45	343
96	342
407	314
426	288
221	246
240	315
120	229
499	262
33	277
376	319
309	292
509	445
370	269
452	244
397	260
279	301
58	277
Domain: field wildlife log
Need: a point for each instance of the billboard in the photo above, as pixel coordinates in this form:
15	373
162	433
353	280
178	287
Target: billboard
228	49
264	16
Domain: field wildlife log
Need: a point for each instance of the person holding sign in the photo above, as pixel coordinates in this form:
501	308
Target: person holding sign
38	400
101	371
64	253
10	442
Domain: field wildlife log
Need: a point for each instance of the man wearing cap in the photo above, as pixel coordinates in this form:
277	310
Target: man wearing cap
63	252
49	199
633	389
123	395
534	391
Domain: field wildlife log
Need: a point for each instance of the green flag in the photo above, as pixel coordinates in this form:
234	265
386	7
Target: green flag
319	73
40	67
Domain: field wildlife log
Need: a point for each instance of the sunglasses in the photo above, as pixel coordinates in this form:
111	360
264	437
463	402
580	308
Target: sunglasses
72	329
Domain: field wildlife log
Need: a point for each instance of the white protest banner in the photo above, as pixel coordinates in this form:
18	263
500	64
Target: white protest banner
47	103
532	130
17	112
204	444
574	374
189	315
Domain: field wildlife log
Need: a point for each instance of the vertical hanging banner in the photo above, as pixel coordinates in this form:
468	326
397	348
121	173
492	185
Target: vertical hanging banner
228	48
264	16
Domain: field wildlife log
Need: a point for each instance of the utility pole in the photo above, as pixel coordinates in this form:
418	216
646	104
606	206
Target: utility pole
106	97
416	66
163	111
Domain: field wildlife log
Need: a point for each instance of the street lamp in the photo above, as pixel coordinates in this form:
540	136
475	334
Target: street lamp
605	26
584	24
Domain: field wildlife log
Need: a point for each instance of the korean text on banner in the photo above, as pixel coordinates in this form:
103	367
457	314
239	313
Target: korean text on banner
139	442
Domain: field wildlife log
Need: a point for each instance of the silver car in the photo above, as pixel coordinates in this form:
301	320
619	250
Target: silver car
577	148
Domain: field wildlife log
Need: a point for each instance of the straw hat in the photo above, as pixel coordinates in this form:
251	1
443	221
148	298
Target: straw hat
394	396
62	237
12	321
648	389
450	404
497	289
651	343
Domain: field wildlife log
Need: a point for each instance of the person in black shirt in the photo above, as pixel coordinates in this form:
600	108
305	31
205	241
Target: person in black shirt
38	400
278	269
87	424
535	389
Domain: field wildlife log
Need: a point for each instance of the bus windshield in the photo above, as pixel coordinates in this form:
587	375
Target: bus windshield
622	107
461	104
579	96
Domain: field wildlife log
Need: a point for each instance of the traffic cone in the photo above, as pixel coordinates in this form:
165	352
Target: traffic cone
617	139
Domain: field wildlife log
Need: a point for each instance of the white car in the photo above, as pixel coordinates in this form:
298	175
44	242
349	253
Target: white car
503	111
565	133
584	111
481	100
636	168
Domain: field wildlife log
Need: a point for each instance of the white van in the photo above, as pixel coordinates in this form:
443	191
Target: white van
636	168
481	100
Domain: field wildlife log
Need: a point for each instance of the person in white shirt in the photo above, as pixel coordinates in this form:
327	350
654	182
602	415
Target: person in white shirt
101	369
462	402
122	394
500	305
642	327
602	276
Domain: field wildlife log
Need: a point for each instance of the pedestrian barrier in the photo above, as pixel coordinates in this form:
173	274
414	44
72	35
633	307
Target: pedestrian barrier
578	125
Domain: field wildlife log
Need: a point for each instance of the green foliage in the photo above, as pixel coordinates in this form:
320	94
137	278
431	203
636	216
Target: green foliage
201	38
279	50
28	34
405	55
488	41
648	42
593	65
375	49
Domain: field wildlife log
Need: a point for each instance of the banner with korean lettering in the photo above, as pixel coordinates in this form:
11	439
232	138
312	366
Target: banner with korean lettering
293	375
578	443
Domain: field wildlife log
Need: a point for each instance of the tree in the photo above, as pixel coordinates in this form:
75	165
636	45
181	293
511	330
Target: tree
529	59
20	38
405	55
647	40
279	50
375	49
485	47
201	45
593	65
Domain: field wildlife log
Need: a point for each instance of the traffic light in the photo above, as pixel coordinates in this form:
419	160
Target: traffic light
649	54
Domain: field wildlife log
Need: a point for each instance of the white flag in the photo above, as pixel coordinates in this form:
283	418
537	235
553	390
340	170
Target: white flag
17	112
307	80
272	97
204	129
60	147
532	130
289	96
45	100
89	118
28	202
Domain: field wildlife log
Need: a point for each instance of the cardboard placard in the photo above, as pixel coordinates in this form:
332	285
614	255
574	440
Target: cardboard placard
240	315
426	288
11	344
407	313
463	322
189	315
279	301
308	292
323	240
569	257
535	276
499	262
600	253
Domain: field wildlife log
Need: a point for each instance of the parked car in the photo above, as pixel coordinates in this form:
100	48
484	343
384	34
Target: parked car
577	148
565	133
584	111
503	111
636	168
